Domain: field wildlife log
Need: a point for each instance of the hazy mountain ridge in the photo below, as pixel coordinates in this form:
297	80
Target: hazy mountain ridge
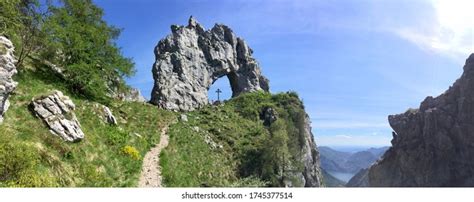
347	162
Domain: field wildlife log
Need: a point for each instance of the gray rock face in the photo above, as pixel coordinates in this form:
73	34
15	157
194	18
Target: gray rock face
56	110
7	70
433	145
190	59
313	175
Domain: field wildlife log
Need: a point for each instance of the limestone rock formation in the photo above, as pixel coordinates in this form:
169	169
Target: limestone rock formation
7	70
190	59
109	117
57	111
433	145
133	95
312	174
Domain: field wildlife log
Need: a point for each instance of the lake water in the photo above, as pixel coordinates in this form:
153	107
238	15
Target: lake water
345	177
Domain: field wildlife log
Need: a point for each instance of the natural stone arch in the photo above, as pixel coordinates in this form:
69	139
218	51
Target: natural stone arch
191	59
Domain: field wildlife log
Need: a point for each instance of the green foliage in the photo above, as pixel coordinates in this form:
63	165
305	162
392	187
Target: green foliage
20	21
80	41
72	35
3	49
19	166
32	156
251	154
251	181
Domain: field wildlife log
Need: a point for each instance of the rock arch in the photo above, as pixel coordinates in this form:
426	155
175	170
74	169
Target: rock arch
191	59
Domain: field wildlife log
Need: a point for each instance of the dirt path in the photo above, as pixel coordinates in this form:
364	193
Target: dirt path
151	170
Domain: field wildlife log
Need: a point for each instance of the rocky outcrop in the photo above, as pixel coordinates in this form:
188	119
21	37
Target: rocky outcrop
312	173
7	70
190	59
57	111
433	145
108	116
268	115
132	95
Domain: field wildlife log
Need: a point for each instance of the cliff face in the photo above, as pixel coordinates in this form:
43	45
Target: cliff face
433	145
312	167
190	59
7	70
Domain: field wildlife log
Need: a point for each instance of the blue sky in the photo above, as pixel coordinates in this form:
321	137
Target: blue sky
352	62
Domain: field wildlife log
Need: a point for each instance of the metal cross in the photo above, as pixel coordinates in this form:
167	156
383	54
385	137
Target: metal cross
218	91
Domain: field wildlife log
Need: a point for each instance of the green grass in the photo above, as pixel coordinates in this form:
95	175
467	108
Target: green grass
225	145
3	49
30	156
247	152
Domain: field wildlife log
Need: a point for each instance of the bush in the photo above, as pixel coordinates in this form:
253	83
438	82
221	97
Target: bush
15	159
132	152
19	167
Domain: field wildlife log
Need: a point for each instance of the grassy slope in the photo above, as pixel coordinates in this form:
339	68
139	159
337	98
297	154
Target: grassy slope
242	160
31	156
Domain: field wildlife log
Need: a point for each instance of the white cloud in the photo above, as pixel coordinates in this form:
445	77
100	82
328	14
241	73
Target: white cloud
452	32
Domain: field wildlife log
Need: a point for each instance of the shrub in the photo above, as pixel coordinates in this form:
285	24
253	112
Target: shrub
15	159
132	152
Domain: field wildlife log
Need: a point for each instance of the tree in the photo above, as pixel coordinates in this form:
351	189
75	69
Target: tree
20	21
83	45
276	154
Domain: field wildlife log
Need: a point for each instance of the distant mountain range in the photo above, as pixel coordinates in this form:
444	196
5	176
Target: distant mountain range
333	161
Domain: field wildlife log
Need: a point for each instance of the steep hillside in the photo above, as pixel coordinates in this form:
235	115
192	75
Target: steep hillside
64	120
255	139
30	156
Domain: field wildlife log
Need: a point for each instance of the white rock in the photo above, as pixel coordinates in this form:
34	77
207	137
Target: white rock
7	70
190	59
184	118
57	111
109	117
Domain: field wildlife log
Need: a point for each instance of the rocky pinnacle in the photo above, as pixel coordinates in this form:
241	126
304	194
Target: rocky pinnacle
191	59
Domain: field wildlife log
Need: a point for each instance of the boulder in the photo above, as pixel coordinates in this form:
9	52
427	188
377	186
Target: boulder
57	111
191	59
7	70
